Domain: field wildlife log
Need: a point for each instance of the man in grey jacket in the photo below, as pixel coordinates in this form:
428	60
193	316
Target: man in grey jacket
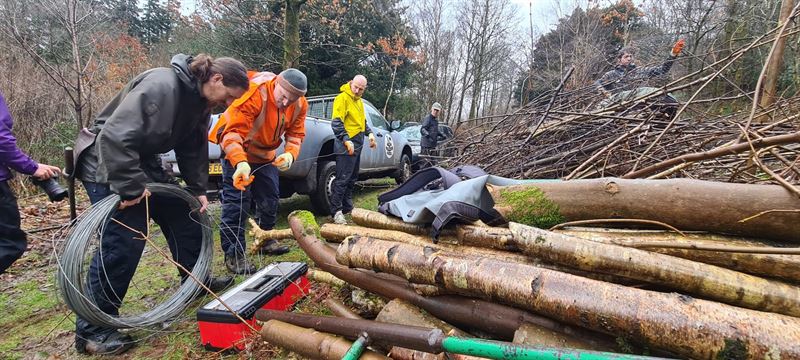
160	110
429	131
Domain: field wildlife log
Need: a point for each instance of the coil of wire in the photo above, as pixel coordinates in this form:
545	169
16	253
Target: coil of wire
71	276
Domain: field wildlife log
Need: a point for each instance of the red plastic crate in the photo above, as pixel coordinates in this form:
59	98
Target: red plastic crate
277	287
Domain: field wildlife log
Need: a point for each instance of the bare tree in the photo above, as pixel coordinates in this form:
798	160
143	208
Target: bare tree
59	36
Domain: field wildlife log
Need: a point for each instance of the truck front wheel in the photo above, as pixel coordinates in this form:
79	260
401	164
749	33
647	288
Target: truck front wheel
321	196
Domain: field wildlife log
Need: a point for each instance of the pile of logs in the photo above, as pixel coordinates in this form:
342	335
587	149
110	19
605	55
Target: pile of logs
678	293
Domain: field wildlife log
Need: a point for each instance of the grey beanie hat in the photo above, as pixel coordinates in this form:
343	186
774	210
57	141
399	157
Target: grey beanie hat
436	106
294	81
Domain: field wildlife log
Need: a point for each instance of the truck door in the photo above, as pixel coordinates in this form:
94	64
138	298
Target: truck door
382	155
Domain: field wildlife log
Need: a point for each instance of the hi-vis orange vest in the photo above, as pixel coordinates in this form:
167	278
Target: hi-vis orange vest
251	128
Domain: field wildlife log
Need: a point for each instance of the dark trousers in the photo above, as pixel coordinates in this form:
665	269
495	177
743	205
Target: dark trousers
12	239
114	264
346	176
236	205
426	157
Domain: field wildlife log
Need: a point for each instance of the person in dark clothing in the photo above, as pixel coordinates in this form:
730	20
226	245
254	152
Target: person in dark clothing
429	132
160	110
626	81
13	241
349	128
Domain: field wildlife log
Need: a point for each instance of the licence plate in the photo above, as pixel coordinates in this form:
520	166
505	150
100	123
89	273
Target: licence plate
215	169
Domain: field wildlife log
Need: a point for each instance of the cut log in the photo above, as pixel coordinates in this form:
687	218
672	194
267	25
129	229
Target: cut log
310	343
689	327
532	334
778	266
339	309
467	313
683	203
260	237
400	312
324	277
376	220
691	277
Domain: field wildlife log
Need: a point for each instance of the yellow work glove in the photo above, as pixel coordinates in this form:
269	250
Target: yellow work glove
284	161
678	47
241	177
350	147
372	143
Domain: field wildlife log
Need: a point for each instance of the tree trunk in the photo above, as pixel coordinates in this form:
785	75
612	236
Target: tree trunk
456	310
291	34
690	327
334	232
391	88
775	65
777	266
309	342
683	203
690	277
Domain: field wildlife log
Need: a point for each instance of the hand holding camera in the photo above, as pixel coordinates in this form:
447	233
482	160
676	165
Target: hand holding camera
45	177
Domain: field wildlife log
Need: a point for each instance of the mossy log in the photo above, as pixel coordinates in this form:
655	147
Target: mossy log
310	343
468	313
689	327
691	277
337	233
770	265
683	203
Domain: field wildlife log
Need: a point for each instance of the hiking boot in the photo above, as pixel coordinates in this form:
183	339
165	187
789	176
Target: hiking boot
239	265
274	248
114	343
338	218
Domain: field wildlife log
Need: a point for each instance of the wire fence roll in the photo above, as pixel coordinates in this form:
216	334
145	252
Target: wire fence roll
71	276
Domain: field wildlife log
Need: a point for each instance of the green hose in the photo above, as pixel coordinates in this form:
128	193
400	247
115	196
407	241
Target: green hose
358	347
504	350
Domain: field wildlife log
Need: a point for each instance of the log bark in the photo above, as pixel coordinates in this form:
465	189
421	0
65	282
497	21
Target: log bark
401	312
683	203
689	327
334	232
376	220
532	334
339	309
467	313
309	342
777	266
260	237
690	277
325	277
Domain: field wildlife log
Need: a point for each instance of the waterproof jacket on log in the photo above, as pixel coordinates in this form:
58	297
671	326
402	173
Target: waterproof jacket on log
254	127
429	131
629	77
160	110
349	119
11	157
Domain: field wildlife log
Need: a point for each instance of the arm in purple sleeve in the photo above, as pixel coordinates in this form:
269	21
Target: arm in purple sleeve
10	154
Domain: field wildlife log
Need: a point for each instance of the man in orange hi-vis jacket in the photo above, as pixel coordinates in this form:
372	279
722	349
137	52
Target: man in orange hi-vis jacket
250	131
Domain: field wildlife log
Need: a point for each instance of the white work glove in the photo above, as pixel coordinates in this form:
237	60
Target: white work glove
241	177
284	161
372	143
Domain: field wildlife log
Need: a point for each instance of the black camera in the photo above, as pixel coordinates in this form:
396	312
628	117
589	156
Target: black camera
50	186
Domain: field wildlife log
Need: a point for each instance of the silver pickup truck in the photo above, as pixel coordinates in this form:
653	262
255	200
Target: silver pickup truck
313	171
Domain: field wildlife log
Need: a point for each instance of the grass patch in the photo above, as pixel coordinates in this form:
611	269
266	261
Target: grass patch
37	324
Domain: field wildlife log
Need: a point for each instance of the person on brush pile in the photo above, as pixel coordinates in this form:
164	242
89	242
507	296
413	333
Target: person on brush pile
159	110
250	131
429	131
625	80
349	129
13	241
